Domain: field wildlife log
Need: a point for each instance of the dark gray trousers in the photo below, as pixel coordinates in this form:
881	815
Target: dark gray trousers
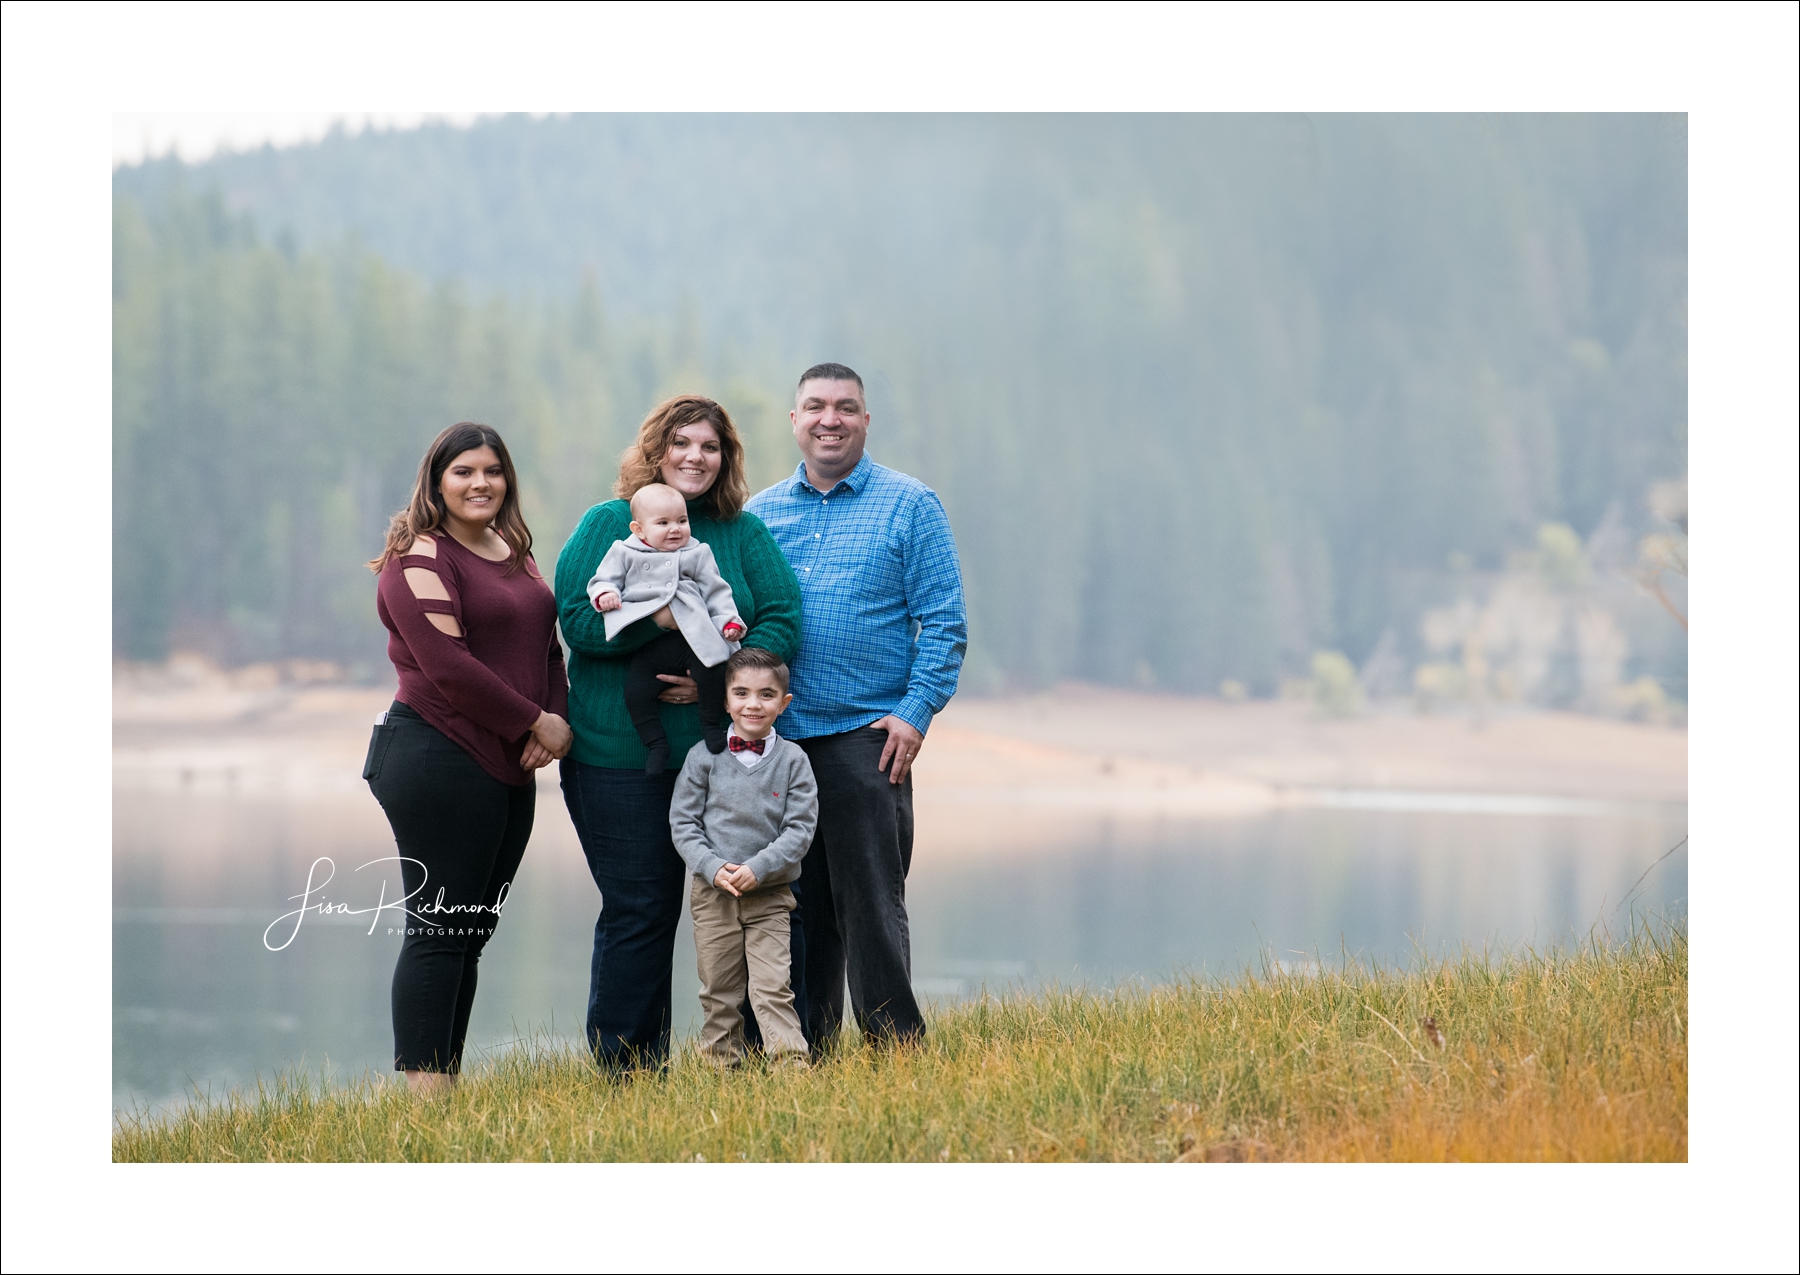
854	895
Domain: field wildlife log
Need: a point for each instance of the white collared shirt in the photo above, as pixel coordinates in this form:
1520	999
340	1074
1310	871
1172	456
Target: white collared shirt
747	759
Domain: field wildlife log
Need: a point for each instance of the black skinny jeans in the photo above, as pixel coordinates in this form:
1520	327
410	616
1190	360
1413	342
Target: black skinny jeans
461	834
854	897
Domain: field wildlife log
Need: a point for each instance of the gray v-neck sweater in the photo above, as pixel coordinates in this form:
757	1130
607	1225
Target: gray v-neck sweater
762	816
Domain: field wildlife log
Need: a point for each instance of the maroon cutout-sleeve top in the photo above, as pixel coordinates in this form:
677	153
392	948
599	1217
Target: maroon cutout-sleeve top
485	689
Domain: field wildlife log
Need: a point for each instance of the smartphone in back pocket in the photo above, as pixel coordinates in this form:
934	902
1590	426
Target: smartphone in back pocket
379	739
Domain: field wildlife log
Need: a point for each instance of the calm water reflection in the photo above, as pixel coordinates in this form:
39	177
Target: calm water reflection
199	1001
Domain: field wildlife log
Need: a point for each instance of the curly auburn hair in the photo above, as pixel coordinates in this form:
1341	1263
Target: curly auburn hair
641	463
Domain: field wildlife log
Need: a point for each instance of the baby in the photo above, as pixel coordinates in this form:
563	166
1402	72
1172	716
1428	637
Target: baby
743	822
661	574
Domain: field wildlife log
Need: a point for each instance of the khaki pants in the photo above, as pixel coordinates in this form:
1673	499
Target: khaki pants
742	942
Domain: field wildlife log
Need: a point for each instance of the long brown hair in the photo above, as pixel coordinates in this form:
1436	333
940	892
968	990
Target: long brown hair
425	512
642	462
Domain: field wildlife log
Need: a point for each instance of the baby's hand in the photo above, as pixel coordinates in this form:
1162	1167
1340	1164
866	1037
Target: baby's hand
733	630
743	879
726	876
607	600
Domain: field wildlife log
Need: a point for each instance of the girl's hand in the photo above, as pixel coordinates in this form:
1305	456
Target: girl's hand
733	630
553	733
608	601
665	619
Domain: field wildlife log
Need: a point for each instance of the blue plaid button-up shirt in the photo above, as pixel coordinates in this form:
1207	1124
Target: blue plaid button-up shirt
882	628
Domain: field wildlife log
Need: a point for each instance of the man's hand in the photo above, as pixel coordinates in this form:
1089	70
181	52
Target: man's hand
903	745
682	690
607	601
535	755
726	878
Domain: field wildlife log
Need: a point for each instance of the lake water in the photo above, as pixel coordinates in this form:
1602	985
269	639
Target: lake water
201	1003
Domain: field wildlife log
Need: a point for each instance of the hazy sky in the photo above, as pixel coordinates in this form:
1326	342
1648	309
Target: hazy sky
197	136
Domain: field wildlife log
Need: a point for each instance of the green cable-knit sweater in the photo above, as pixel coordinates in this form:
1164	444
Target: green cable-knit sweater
762	586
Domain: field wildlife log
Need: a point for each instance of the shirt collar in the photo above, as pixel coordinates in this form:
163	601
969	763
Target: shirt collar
855	480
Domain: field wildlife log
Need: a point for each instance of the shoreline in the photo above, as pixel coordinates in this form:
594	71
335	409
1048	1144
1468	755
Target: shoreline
1092	741
995	791
1008	774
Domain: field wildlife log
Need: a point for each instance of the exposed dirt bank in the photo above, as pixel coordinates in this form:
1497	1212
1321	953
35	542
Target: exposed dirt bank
1005	772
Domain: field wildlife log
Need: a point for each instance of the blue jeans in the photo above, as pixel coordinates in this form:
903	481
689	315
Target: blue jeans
622	818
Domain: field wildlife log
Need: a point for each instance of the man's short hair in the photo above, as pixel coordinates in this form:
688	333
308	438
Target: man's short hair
750	657
829	372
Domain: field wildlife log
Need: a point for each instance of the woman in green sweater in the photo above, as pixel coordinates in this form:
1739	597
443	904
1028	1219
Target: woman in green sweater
620	813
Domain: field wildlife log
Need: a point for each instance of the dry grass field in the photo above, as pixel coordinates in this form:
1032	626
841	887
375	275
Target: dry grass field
1578	1056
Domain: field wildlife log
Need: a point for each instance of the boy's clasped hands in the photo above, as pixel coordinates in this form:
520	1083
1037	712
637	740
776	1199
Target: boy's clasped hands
735	878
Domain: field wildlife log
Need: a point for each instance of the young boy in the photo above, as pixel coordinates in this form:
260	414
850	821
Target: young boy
742	820
660	574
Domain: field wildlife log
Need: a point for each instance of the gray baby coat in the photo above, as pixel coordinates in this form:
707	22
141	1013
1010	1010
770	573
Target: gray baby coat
686	581
761	816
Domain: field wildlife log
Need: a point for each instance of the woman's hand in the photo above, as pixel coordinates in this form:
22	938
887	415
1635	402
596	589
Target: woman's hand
682	690
535	756
552	733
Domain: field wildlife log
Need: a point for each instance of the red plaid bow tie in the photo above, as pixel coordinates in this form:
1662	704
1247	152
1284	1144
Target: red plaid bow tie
739	744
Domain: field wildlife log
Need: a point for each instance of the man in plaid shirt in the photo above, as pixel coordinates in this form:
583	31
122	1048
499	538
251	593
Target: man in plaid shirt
883	631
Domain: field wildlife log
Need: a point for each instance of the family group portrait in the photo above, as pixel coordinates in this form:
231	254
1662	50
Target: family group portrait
1102	669
699	603
1089	638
